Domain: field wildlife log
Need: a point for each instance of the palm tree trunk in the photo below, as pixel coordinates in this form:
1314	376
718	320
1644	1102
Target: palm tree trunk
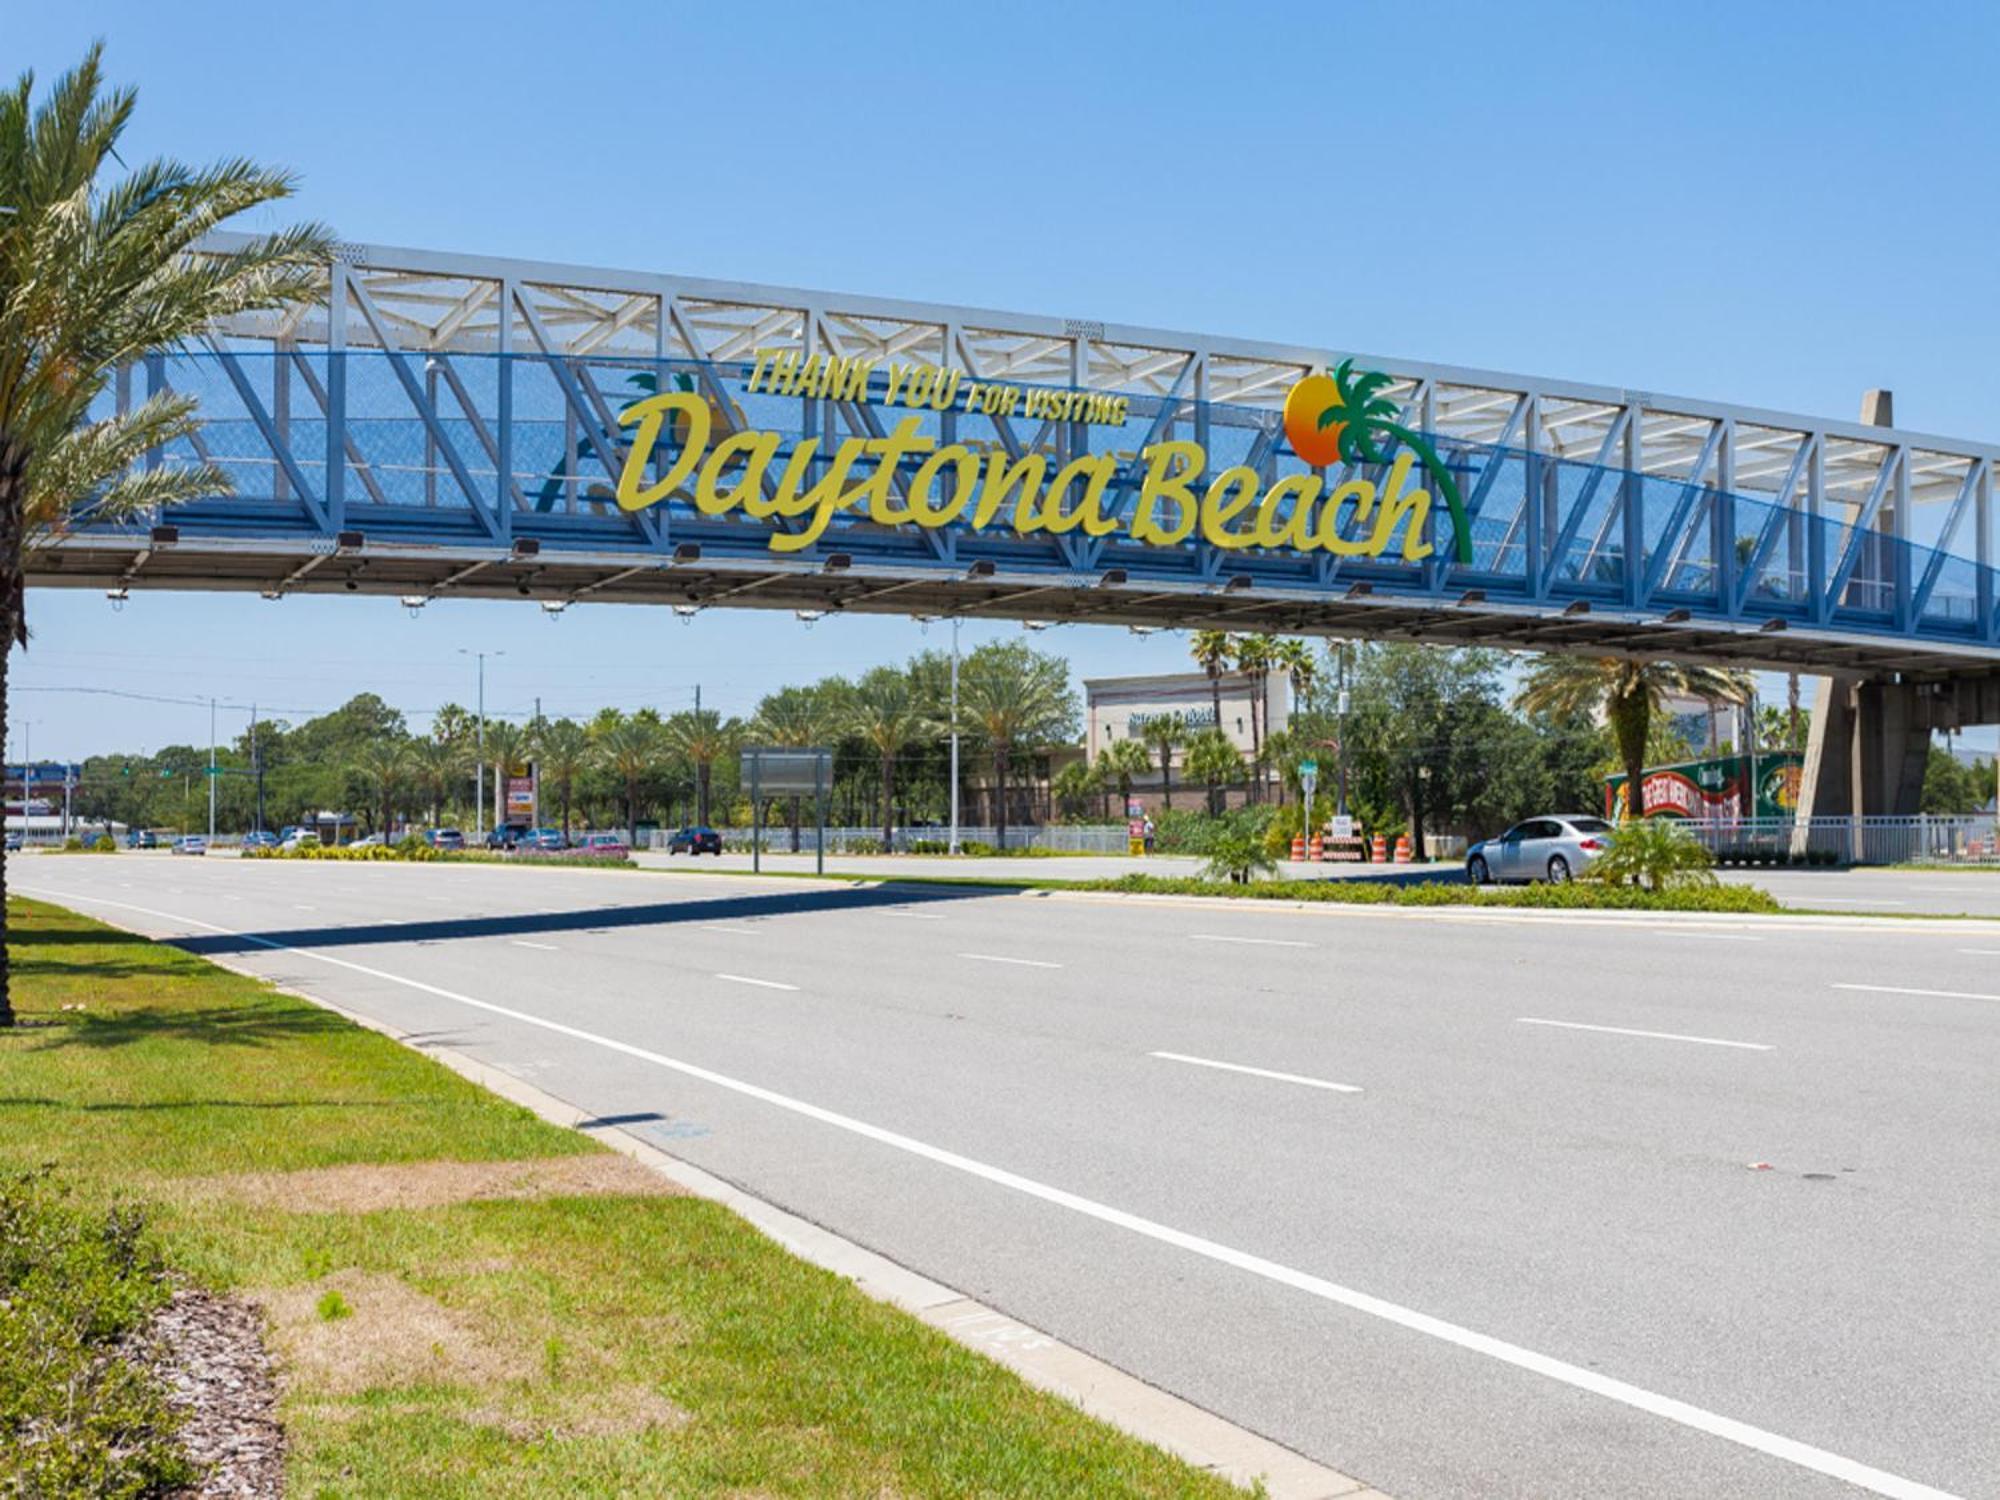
565	808
1167	776
888	795
701	794
13	631
1000	783
1629	713
1215	693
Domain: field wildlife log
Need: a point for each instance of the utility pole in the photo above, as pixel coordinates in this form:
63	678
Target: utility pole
954	735
479	768
211	770
1340	712
257	765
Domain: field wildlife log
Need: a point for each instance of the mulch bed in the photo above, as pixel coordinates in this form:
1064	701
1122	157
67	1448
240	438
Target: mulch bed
210	1352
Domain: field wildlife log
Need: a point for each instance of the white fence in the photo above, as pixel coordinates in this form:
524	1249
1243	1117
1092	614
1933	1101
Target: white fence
1967	840
1061	838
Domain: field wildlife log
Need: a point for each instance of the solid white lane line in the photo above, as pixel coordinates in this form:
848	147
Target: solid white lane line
1713	937
722	927
1217	937
1897	989
1209	1062
1661	1036
1859	901
915	916
1803	1455
545	947
762	984
1982	952
297	907
995	958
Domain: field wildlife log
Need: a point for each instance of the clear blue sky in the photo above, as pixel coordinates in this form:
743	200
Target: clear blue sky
1780	204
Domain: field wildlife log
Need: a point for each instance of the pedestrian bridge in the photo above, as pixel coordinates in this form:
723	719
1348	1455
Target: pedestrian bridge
442	426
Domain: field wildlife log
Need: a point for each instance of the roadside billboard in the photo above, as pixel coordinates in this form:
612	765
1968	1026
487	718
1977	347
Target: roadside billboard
1711	789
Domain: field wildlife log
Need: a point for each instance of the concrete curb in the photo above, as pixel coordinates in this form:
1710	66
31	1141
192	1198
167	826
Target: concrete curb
1201	1438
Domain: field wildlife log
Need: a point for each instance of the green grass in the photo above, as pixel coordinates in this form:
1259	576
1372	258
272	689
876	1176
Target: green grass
140	1066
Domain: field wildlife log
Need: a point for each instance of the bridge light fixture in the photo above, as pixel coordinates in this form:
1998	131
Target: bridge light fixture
1473	596
837	562
1360	590
1236	583
1577	607
1771	627
1035	625
1143	630
414	603
270	593
1111	578
809	617
1676	617
165	536
981	569
350	541
687	552
118	596
685	613
527	546
553	608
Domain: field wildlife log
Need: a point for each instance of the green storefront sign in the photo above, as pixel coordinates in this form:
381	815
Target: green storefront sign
1714	788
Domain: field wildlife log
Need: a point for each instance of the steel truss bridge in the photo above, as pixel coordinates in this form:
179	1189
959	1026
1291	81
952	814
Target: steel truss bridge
443	426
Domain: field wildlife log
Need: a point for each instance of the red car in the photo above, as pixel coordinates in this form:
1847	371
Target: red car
603	844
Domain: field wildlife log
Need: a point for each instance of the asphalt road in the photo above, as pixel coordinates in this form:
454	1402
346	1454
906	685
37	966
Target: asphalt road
1894	892
1486	1223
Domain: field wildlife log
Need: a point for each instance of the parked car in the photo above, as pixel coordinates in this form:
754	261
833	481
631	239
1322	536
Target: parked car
372	841
506	836
1554	849
694	841
191	843
300	838
603	843
142	838
449	840
544	838
14	840
263	838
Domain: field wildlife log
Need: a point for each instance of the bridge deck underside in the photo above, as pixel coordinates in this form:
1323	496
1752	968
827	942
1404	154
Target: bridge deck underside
564	578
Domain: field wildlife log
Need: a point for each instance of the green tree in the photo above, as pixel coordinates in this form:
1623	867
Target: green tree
631	748
1212	758
1254	657
506	748
1627	693
1212	651
1120	761
382	767
701	736
1165	733
563	752
1074	786
1951	786
94	277
437	767
1013	695
883	710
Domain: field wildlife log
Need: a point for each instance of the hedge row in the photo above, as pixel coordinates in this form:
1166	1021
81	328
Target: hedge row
414	851
1573	896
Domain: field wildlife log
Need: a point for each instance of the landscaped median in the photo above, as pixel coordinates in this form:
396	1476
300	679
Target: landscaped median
461	1299
1579	895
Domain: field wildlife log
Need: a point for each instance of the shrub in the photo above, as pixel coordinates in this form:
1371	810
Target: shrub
1654	853
79	1414
1573	896
1237	855
977	846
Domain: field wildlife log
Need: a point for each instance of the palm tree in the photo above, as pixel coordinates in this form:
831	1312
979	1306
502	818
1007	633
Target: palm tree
1301	665
701	736
1254	656
1359	417
630	748
1626	693
1122	760
564	752
883	711
1165	733
436	766
382	764
797	718
506	748
1075	784
1211	650
1012	694
93	279
1212	757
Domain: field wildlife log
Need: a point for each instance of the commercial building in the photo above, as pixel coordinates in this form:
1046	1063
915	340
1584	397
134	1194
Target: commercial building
1120	708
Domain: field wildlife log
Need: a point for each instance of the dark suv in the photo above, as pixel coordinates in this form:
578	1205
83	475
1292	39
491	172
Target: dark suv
507	836
694	841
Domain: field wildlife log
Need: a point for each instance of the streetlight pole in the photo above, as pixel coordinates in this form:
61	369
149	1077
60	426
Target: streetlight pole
479	770
954	736
1340	712
211	770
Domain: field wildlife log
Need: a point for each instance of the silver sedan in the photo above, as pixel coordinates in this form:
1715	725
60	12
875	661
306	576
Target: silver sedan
1554	849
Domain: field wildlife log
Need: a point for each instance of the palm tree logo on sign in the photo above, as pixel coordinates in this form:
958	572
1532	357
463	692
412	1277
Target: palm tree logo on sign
1344	418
